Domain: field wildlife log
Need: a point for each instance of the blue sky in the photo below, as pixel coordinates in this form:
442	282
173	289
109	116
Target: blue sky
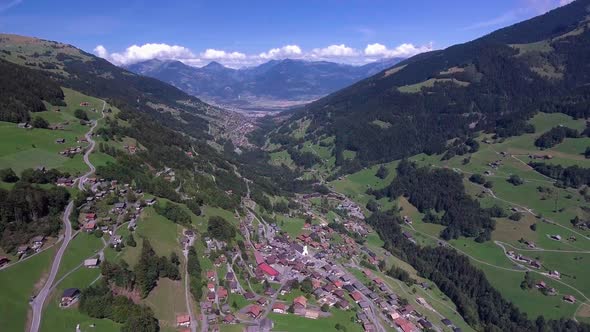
239	33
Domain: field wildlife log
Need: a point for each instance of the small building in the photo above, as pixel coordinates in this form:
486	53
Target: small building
60	140
183	320
279	308
569	299
91	263
69	296
4	261
254	311
37	241
300	302
22	249
90	226
150	201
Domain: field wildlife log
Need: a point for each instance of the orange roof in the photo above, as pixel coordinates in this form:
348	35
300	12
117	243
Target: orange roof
183	318
301	300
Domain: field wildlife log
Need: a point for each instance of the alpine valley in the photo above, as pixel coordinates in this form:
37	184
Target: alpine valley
445	191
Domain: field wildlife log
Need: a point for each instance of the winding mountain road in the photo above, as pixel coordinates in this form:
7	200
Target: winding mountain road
39	301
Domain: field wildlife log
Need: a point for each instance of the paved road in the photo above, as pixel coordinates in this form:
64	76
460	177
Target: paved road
91	167
187	294
39	301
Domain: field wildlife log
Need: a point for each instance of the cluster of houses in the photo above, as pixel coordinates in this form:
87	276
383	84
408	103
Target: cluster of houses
70	152
521	258
34	245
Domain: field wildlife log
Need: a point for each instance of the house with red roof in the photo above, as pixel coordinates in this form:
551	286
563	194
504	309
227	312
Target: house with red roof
183	320
300	302
405	325
279	308
356	296
254	311
268	270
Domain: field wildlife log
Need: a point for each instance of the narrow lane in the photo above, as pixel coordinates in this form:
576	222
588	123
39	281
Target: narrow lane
39	301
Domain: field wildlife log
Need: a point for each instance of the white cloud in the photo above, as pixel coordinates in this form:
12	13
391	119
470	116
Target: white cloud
565	2
334	51
403	50
283	52
134	53
211	53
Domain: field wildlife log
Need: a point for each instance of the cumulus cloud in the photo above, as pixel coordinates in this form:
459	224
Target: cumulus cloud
334	51
282	52
135	53
234	59
211	53
403	50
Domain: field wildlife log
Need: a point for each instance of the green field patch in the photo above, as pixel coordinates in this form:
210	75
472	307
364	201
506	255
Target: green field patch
161	232
415	88
292	323
167	300
81	247
17	284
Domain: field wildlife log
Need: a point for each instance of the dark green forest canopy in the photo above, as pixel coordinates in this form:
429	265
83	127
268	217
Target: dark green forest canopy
23	90
440	190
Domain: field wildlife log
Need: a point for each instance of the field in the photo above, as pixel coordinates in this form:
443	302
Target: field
551	208
17	284
30	148
292	323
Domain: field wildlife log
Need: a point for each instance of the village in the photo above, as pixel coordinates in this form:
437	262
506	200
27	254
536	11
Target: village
301	276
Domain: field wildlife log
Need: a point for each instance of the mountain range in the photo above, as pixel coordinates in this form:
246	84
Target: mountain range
276	84
493	84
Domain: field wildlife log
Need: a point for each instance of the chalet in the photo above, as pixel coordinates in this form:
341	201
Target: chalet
446	322
569	299
300	302
211	287
279	308
211	296
249	295
211	275
364	305
91	263
183	320
60	140
343	304
120	206
406	310
311	314
4	261
69	296
150	201
254	311
24	125
64	182
229	319
90	226
21	250
405	325
541	285
91	216
356	296
38	241
222	293
425	324
233	286
268	270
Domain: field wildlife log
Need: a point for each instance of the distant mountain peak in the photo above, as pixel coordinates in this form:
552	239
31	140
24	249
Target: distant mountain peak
215	65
